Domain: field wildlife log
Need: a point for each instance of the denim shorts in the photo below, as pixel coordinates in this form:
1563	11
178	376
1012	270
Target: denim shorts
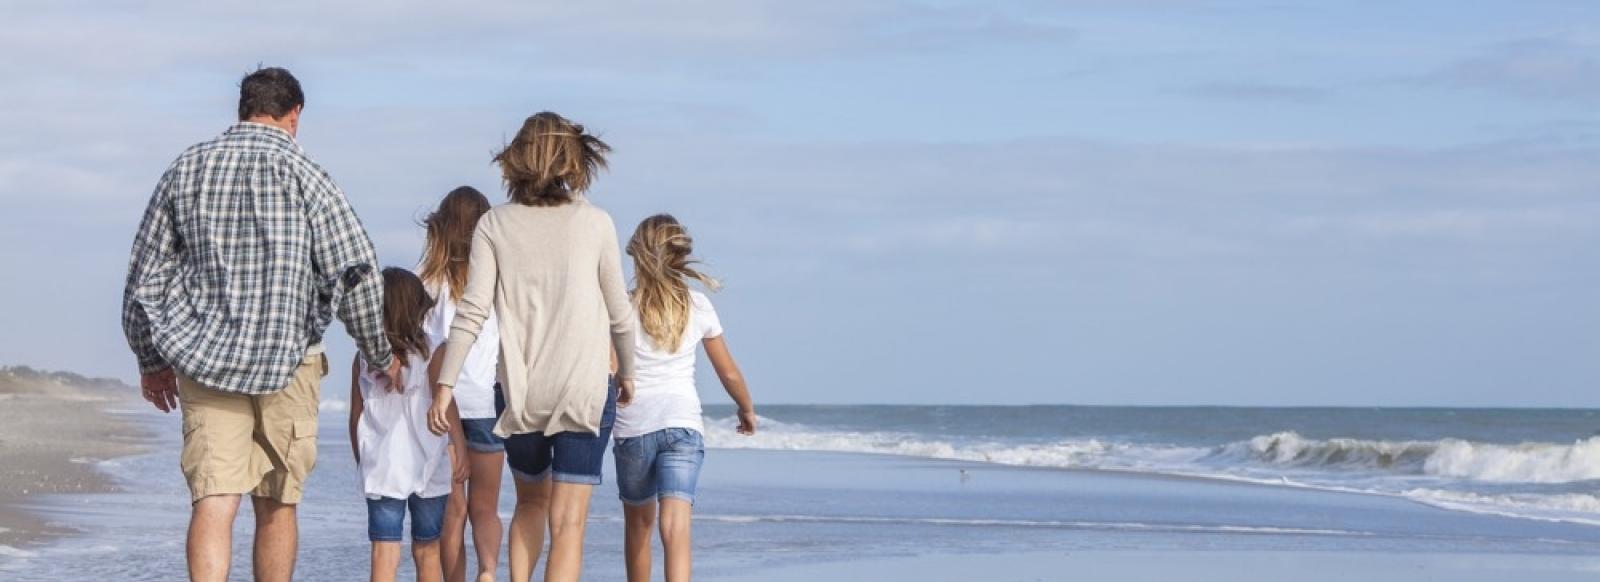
386	517
480	435
660	464
571	457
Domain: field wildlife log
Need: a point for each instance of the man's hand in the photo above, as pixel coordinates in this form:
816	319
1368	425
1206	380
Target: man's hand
160	389
624	392
439	414
395	374
747	421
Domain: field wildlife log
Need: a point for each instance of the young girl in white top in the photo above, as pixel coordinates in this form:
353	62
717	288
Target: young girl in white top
659	447
403	464
445	260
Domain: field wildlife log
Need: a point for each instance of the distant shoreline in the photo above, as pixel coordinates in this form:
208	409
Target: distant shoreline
57	428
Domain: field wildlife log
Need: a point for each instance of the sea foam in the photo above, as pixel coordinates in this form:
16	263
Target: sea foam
1440	473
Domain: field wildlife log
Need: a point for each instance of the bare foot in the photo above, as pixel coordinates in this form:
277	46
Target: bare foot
486	577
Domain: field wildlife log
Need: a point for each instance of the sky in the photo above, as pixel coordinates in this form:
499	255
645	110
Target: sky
969	202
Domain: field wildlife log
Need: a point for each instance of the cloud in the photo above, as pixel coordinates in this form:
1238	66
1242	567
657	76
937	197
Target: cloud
1546	68
1576	220
75	36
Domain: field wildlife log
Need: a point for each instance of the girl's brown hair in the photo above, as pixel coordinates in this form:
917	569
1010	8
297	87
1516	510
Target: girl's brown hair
450	227
550	161
662	266
405	304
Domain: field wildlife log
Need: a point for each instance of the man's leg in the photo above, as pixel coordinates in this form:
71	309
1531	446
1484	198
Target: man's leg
277	537
210	542
220	461
286	431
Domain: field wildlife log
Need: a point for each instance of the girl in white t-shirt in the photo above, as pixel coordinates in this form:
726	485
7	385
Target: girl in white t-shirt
444	272
659	447
404	466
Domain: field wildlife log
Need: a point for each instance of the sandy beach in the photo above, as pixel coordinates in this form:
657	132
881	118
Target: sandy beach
57	427
796	515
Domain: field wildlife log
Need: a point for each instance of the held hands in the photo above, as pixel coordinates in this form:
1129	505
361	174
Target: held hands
747	421
394	374
160	389
439	414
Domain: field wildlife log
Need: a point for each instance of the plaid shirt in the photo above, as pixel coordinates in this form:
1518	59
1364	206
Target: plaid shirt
245	254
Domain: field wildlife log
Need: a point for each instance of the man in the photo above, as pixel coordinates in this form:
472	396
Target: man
246	252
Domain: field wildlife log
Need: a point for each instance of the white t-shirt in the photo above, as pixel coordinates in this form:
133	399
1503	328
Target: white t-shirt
474	391
399	455
664	395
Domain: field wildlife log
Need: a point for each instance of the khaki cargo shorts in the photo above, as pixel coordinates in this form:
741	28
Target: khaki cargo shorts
261	444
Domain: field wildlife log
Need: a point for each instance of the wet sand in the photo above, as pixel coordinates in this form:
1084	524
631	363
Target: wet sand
54	429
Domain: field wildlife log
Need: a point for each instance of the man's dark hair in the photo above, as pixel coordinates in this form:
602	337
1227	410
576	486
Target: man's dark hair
269	91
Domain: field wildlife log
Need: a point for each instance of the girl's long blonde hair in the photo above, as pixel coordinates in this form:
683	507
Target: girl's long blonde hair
450	228
662	266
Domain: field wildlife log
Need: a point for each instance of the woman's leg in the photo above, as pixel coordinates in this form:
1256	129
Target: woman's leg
675	538
569	511
453	540
641	525
527	527
483	508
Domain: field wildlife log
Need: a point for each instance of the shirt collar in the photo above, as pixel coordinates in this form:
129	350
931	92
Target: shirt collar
251	127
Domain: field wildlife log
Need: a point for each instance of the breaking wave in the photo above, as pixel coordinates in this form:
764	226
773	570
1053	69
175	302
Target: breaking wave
1443	473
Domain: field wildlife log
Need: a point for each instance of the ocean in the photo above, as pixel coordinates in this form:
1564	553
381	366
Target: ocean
1527	463
1011	490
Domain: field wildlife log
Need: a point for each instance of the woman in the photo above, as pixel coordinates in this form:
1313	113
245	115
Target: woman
547	265
444	272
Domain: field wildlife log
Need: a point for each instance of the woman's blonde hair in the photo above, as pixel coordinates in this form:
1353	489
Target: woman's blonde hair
660	248
450	228
550	161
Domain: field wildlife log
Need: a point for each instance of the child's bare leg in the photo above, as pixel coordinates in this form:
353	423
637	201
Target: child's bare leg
426	556
452	539
641	526
675	538
483	508
385	561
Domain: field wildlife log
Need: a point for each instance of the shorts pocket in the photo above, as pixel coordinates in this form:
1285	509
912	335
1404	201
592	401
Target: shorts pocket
626	447
191	423
195	447
684	439
302	449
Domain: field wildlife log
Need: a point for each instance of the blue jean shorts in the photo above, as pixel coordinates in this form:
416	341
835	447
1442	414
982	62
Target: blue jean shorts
568	457
386	518
660	464
480	435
